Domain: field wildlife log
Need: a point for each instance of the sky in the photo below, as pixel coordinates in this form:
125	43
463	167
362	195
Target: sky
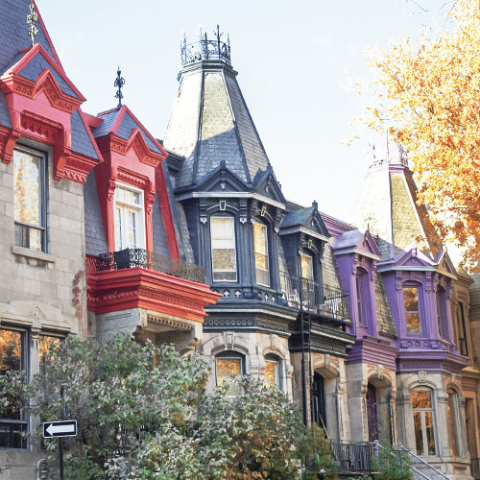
292	58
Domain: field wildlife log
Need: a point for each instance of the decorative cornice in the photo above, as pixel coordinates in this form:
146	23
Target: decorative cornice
237	195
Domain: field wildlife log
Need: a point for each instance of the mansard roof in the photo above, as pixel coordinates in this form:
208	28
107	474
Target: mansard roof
123	123
211	123
14	34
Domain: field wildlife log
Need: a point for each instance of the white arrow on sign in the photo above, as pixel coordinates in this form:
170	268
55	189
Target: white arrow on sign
52	429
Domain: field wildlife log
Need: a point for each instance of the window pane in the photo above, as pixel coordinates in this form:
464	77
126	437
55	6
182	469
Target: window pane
35	238
307	267
451	423
44	345
224	263
260	238
462	336
413	323
410	296
228	370
430	433
417	421
421	399
27	178
10	351
271	373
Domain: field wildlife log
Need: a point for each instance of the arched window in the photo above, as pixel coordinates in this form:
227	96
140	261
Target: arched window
318	401
424	421
272	371
260	244
229	366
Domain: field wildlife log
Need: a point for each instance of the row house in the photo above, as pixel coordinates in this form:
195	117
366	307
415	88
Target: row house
191	241
87	239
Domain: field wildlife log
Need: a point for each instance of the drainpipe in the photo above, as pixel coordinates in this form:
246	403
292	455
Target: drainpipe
304	386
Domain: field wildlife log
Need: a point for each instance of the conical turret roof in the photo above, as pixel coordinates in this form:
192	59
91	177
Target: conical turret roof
388	207
210	121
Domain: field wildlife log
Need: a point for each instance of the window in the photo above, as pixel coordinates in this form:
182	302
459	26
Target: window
30	199
272	377
423	420
228	369
44	344
453	421
441	304
412	312
260	241
461	330
358	285
129	218
308	285
13	422
224	262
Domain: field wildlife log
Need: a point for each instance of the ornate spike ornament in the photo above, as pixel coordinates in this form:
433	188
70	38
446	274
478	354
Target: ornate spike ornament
119	83
32	17
205	49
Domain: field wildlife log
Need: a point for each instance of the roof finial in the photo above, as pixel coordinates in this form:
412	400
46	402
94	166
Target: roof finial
32	17
119	82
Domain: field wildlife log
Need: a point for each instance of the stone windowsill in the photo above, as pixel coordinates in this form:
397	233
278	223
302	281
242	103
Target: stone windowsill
35	254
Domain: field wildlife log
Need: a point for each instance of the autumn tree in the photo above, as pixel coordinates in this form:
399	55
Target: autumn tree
427	96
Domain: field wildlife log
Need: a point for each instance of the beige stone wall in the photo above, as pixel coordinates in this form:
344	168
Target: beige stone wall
254	347
41	293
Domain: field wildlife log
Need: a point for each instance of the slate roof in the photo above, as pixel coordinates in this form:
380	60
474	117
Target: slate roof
297	217
211	123
36	65
385	321
81	141
95	241
14	32
125	128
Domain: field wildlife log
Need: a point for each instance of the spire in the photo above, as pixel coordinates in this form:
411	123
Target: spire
210	120
119	82
32	18
388	206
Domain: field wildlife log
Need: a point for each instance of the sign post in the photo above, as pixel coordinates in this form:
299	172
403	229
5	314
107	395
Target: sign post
63	428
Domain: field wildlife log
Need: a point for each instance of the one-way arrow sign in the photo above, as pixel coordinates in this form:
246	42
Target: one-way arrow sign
65	428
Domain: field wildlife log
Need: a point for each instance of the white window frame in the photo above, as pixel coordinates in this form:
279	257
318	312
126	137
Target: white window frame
423	412
126	206
235	270
265	238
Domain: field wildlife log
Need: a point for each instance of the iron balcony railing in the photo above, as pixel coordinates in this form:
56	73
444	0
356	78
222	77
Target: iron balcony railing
206	49
310	296
139	257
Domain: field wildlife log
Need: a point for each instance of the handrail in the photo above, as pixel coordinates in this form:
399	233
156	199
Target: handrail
437	473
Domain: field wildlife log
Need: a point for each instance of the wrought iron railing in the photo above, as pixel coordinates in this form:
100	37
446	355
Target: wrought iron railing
310	296
12	433
205	49
475	468
139	257
352	457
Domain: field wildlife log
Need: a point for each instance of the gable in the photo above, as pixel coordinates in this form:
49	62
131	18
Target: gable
266	184
222	179
413	258
445	265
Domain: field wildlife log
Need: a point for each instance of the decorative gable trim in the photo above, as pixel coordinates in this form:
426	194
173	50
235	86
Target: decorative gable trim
445	266
363	253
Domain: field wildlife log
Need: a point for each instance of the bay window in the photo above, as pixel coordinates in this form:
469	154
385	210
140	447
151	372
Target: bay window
272	372
129	218
224	261
260	242
30	198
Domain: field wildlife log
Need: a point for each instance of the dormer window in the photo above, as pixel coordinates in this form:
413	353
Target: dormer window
358	285
441	301
129	218
412	310
224	261
260	242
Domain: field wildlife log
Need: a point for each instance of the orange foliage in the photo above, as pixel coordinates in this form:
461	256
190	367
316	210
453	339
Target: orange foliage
428	97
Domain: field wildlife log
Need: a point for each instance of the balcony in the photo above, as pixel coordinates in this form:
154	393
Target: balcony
135	278
311	297
139	257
